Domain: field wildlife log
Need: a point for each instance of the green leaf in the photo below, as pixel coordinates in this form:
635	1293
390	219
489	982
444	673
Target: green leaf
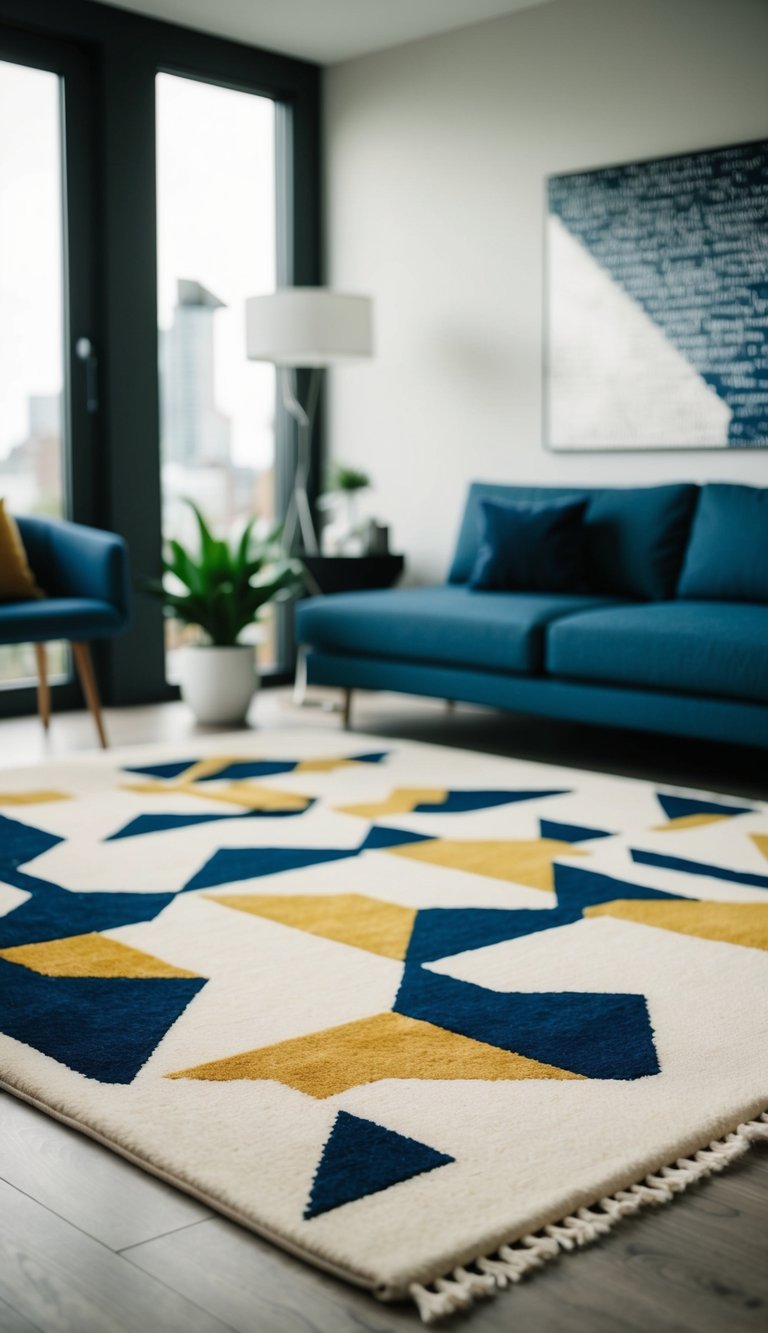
241	555
182	566
207	542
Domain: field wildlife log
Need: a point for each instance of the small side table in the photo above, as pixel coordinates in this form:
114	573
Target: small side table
344	573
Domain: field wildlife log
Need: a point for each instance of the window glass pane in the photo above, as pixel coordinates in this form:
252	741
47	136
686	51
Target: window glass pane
31	315
216	246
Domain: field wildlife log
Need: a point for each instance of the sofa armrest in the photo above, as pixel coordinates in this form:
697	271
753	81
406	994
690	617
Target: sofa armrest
71	560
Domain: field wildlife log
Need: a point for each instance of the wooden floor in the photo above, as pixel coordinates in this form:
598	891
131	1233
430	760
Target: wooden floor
91	1244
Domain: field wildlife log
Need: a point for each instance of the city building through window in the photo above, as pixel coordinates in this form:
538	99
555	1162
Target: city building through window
216	246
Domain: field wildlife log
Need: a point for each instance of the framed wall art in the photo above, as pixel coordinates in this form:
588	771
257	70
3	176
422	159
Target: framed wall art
656	320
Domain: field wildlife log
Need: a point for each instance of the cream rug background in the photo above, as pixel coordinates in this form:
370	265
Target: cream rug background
598	1014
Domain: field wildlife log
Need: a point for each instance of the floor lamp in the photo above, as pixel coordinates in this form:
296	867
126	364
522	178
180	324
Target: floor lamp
305	328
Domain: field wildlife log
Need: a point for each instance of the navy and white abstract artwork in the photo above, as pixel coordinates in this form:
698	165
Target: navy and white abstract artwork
657	304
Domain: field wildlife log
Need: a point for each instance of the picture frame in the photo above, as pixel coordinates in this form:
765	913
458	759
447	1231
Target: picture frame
656	303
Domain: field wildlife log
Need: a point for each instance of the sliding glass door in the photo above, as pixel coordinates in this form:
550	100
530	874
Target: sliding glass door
32	434
44	433
216	246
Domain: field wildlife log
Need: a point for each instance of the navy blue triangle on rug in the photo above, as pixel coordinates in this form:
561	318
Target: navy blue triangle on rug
103	1027
683	807
362	1158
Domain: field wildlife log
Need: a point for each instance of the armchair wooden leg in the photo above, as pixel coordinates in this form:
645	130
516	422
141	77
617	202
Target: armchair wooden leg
346	709
43	688
84	665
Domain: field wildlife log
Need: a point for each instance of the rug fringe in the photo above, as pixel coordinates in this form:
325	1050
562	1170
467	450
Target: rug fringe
489	1274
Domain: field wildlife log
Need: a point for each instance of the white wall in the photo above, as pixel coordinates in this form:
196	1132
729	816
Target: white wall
436	155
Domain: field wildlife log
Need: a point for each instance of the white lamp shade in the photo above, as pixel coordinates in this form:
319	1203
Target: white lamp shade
307	326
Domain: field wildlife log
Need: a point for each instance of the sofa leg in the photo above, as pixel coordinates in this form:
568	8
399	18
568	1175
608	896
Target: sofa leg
346	709
84	665
43	688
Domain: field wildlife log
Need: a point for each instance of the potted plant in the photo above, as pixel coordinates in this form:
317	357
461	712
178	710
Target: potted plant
342	535
219	590
349	482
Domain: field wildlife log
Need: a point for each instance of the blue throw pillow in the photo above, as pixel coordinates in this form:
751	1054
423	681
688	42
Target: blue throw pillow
531	546
727	556
636	539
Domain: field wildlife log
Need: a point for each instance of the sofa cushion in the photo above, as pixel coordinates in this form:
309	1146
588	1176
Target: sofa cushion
711	648
531	546
493	631
635	535
727	556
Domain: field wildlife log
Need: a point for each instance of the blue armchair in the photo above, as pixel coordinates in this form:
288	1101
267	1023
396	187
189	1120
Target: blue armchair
84	573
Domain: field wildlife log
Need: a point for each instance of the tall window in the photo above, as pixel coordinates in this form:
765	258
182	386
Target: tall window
216	246
31	313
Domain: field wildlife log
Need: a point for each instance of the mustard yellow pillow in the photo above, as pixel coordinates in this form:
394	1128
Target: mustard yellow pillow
17	582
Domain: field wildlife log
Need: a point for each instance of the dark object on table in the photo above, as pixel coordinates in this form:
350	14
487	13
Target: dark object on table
353	573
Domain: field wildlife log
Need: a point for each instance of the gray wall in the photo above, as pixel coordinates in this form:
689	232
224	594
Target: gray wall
436	155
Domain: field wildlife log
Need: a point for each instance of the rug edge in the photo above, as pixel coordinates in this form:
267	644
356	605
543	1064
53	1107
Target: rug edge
459	1288
274	1238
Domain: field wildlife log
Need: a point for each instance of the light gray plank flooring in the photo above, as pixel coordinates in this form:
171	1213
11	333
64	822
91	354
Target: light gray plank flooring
65	1282
84	1183
90	1244
13	1322
250	1285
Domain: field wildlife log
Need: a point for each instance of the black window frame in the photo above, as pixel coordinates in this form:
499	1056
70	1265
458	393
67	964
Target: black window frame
118	477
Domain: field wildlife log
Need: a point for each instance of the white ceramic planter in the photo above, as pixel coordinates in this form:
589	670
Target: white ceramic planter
218	683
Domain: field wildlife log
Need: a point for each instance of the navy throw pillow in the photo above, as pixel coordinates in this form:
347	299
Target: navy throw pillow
727	556
636	539
531	546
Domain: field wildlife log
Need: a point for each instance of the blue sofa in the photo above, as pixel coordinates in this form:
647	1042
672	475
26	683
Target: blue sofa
671	638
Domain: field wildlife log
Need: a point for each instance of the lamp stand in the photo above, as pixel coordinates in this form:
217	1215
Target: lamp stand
299	514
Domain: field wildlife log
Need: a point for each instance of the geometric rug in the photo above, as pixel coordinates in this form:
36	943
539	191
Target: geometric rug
426	1018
